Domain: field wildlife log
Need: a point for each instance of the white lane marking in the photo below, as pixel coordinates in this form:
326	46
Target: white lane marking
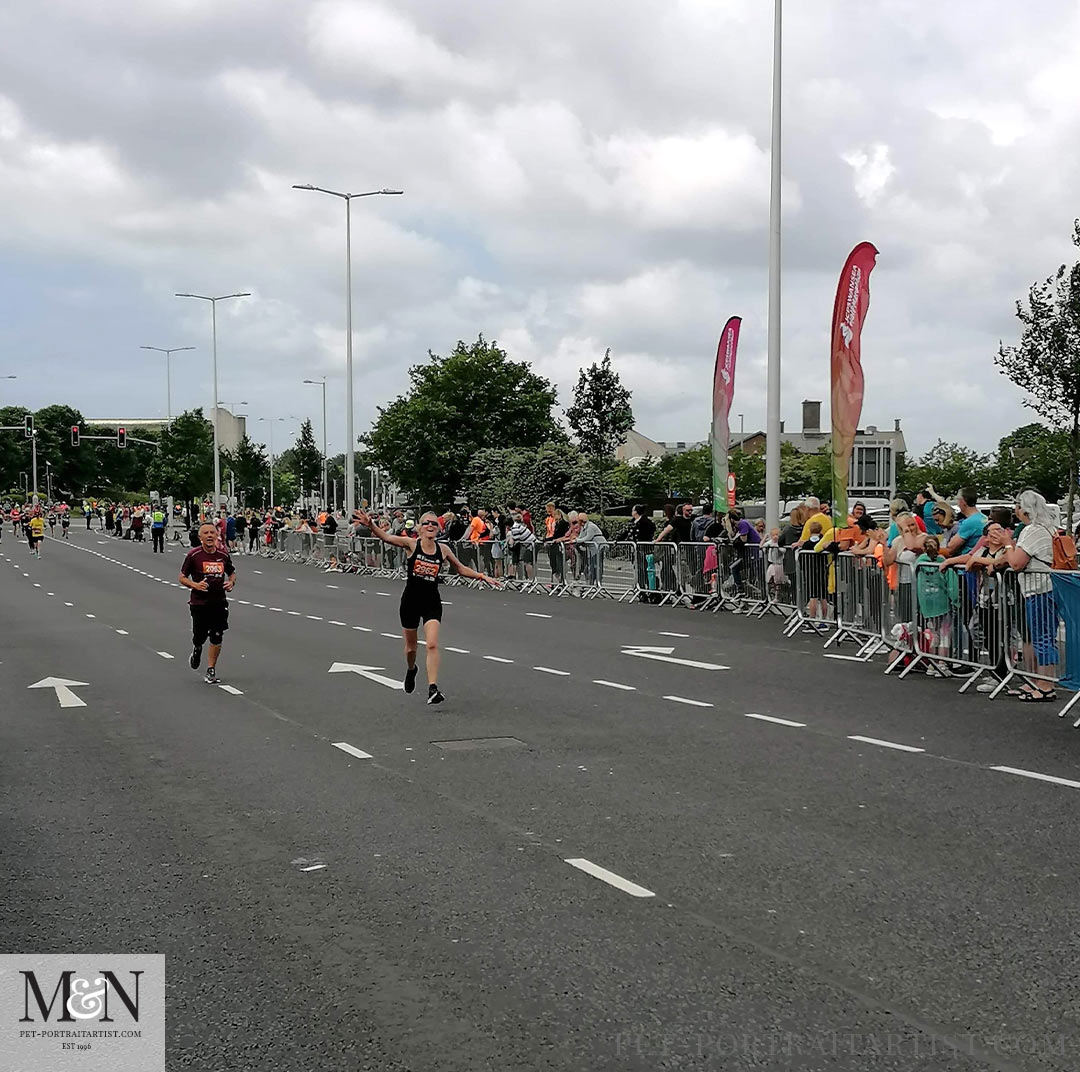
50	593
258	571
69	604
497	659
313	617
533	614
366	671
610	878
362	628
615	685
392	636
164	654
447	603
778	721
292	580
230	688
352	750
382	593
335	623
122	632
295	613
1037	775
91	616
460	651
313	867
261	606
277	609
332	586
846	658
244	601
549	670
884	744
692	703
663	633
36	585
663	655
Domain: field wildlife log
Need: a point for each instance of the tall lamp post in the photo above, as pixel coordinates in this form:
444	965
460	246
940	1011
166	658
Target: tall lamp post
270	422
213	322
48	480
322	383
168	373
350	437
772	389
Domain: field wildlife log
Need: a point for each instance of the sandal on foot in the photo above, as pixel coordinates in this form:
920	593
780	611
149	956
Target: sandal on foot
1048	696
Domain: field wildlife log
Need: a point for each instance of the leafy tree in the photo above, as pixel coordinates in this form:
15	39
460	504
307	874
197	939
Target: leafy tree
456	406
305	460
286	487
1046	363
184	463
1032	456
250	468
749	470
644	481
14	448
795	476
949	467
688	475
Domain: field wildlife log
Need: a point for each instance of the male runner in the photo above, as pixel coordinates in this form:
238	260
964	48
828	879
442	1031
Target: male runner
208	573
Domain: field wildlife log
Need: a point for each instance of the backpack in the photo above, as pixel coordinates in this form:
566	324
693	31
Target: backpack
1064	551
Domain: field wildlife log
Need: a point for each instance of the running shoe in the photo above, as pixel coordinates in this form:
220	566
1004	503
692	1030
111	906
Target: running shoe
196	657
433	695
410	678
211	676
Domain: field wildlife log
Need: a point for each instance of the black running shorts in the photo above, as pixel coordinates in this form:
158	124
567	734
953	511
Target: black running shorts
208	621
420	605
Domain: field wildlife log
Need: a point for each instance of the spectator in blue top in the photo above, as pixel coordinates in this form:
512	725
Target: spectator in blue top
971	525
925	504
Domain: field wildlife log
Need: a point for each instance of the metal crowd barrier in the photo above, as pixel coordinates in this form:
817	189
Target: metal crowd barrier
861	592
811	613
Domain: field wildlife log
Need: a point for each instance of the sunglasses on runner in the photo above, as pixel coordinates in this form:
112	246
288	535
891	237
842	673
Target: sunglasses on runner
429	522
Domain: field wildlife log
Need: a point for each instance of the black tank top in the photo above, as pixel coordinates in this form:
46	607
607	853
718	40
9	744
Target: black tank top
423	569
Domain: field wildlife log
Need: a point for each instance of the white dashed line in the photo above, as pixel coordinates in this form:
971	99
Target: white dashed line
884	744
533	614
615	685
683	635
164	654
778	721
36	585
245	602
277	609
314	867
351	750
50	593
69	604
313	617
332	586
291	580
122	632
91	616
1039	777
549	670
392	636
261	606
335	623
231	689
684	700
295	613
611	878
258	571
362	628
497	659
382	593
460	651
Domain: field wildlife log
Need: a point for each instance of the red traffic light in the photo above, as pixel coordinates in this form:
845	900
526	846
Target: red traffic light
121	437
74	435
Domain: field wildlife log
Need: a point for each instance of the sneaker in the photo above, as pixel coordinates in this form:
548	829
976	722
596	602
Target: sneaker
986	686
196	658
433	695
410	678
211	676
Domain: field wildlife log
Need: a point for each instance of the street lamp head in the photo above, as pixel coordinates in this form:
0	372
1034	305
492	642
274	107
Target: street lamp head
391	191
303	186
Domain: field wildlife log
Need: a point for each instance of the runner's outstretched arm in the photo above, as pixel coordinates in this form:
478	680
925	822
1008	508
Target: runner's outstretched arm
386	537
466	571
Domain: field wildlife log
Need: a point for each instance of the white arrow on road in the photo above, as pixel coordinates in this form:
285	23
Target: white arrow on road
63	690
663	655
368	672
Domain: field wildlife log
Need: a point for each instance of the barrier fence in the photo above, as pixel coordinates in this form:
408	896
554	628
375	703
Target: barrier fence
990	629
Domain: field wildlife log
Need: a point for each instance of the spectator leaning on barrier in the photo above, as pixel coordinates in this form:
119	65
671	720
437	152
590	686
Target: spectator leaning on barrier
700	524
1032	557
556	527
592	542
971	525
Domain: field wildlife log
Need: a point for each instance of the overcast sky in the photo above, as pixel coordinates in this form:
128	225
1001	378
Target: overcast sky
577	176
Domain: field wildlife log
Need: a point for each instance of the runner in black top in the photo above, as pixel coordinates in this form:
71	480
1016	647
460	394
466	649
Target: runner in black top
420	600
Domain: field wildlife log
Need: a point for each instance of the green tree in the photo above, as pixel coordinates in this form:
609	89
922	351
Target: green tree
749	470
14	447
305	460
184	463
688	475
1032	456
250	468
1046	363
644	481
949	467
456	405
795	476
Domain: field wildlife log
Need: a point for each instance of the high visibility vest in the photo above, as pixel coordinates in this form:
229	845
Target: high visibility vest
159	517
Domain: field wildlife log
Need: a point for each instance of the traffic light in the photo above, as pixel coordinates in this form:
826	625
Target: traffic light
74	435
28	426
121	437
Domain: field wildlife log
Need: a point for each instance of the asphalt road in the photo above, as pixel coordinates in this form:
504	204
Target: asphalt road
751	886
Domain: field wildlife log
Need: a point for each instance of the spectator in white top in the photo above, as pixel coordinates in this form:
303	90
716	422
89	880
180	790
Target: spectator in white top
593	543
523	540
1033	559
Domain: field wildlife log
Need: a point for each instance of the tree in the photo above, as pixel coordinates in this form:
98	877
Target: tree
14	448
305	460
749	470
250	469
688	475
456	406
644	481
184	463
1046	364
795	477
949	467
1032	456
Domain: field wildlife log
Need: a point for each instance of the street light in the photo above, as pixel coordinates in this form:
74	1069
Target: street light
350	437
322	383
772	384
168	373
48	480
270	421
213	321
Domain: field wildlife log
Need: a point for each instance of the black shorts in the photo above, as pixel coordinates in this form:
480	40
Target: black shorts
208	620
420	605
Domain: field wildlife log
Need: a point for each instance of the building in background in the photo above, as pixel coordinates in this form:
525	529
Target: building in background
231	427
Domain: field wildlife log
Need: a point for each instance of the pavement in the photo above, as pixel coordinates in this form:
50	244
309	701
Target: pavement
591	857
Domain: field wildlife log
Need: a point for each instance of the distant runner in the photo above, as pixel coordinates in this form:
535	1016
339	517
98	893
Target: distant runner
209	575
36	531
420	600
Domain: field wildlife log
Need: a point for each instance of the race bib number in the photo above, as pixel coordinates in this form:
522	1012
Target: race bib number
211	569
424	570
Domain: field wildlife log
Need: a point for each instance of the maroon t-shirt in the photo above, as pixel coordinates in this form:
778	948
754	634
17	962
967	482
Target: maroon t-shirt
212	568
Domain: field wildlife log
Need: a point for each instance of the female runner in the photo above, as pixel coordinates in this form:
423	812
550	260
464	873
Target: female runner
420	600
